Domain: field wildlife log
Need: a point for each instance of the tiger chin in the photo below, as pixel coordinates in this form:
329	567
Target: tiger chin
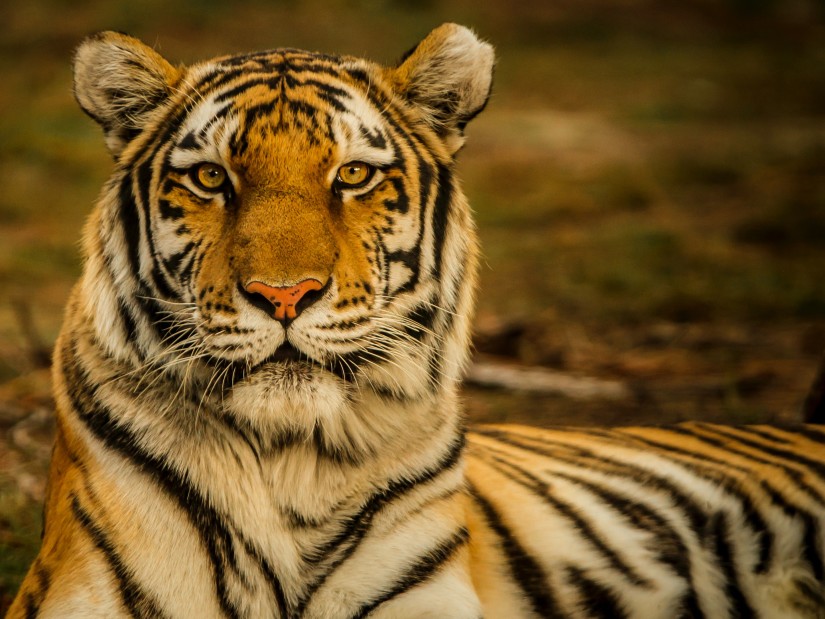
256	381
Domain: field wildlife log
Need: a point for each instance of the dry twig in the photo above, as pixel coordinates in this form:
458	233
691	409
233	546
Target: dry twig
541	380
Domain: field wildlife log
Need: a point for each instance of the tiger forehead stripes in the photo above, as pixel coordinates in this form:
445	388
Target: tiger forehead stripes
289	229
256	382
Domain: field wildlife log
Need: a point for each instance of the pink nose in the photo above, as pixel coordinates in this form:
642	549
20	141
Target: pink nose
285	300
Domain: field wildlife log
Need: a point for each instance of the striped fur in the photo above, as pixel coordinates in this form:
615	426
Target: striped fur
212	461
695	520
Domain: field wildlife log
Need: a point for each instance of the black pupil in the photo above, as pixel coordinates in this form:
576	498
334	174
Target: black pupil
354	172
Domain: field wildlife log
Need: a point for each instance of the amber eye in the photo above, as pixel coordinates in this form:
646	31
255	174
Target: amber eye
209	176
354	174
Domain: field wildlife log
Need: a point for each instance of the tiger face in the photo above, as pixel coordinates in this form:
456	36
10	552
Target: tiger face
285	227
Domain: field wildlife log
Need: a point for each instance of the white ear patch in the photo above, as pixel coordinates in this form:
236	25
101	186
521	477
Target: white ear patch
117	80
448	76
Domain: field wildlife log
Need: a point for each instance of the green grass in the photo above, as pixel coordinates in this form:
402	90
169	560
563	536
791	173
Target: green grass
20	522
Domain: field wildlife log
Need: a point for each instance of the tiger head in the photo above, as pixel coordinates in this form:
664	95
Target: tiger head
285	224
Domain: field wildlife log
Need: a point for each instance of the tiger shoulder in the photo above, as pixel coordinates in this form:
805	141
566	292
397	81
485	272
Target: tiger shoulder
257	381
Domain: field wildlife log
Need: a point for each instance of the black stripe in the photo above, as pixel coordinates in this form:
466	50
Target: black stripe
360	76
170	211
284	71
426	178
815	466
812	432
332	99
423	315
791	472
124	311
697	516
669	545
325	88
265	79
206	520
544	492
127	199
719	530
595	599
400	203
271	577
763	433
721	476
129	313
441	211
33	599
583	458
426	175
31	605
811	544
356	527
43	576
170	185
340	452
375	138
129	223
527	574
411	258
810	525
173	262
144	177
190	142
167	327
419	572
300	107
137	602
185	274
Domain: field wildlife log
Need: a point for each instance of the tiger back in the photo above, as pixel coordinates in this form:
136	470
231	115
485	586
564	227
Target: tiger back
693	520
257	381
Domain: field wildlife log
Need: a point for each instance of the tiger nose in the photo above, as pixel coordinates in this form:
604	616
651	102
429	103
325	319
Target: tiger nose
288	301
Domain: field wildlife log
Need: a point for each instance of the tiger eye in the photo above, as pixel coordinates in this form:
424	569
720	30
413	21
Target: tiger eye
210	176
354	174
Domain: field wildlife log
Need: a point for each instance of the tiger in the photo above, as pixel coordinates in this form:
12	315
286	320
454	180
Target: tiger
257	382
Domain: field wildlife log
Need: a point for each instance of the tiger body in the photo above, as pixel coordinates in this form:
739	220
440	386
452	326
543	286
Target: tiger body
257	378
695	520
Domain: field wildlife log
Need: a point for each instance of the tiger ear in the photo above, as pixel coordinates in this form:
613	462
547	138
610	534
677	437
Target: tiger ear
448	76
117	81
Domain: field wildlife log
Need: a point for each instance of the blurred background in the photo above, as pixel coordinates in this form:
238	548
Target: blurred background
648	179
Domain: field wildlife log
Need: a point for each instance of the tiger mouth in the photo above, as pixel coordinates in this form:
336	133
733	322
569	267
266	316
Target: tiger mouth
287	354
